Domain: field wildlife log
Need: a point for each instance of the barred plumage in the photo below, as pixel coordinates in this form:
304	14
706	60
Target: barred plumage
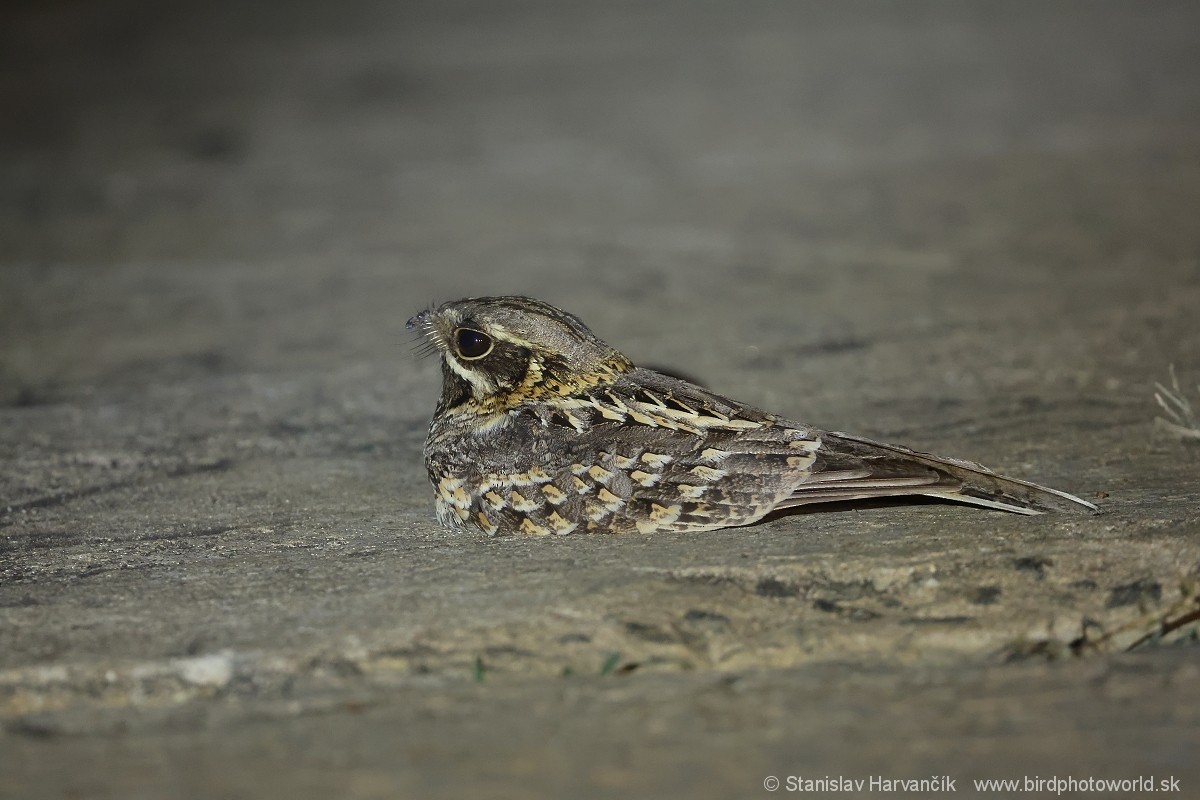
542	429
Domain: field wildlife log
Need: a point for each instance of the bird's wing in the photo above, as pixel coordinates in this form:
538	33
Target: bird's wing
852	468
843	466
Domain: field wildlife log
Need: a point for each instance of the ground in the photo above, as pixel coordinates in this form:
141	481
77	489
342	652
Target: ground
967	228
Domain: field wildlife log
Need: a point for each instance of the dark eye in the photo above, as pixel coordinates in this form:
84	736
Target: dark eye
472	344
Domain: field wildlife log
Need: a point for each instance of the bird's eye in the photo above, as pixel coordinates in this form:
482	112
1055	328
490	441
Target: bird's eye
472	344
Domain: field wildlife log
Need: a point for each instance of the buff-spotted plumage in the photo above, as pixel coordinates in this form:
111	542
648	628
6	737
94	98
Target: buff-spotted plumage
544	429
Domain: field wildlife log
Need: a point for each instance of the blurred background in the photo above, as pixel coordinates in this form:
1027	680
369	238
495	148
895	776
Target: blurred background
971	227
849	189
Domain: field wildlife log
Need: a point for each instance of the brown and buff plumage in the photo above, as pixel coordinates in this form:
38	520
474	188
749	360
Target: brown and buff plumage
542	428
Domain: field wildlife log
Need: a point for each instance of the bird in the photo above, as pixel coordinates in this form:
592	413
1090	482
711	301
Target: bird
542	428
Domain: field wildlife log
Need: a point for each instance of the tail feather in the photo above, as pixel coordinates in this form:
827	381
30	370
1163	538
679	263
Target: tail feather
854	468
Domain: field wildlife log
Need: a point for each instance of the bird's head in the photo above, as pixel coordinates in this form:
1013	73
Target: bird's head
500	352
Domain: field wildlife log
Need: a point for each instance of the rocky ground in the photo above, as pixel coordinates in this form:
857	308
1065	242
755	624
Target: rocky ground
970	228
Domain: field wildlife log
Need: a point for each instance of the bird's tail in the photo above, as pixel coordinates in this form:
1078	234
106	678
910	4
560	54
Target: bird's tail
853	468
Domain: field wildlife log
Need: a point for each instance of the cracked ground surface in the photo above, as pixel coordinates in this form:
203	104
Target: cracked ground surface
970	230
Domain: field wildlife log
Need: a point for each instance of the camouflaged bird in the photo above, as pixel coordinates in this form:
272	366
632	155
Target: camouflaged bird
544	429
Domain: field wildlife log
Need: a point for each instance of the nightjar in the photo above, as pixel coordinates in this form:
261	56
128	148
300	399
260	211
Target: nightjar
542	428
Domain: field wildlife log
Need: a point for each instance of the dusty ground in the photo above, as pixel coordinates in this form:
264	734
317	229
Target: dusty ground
968	228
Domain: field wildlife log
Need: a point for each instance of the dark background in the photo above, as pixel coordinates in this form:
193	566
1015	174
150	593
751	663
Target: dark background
967	227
